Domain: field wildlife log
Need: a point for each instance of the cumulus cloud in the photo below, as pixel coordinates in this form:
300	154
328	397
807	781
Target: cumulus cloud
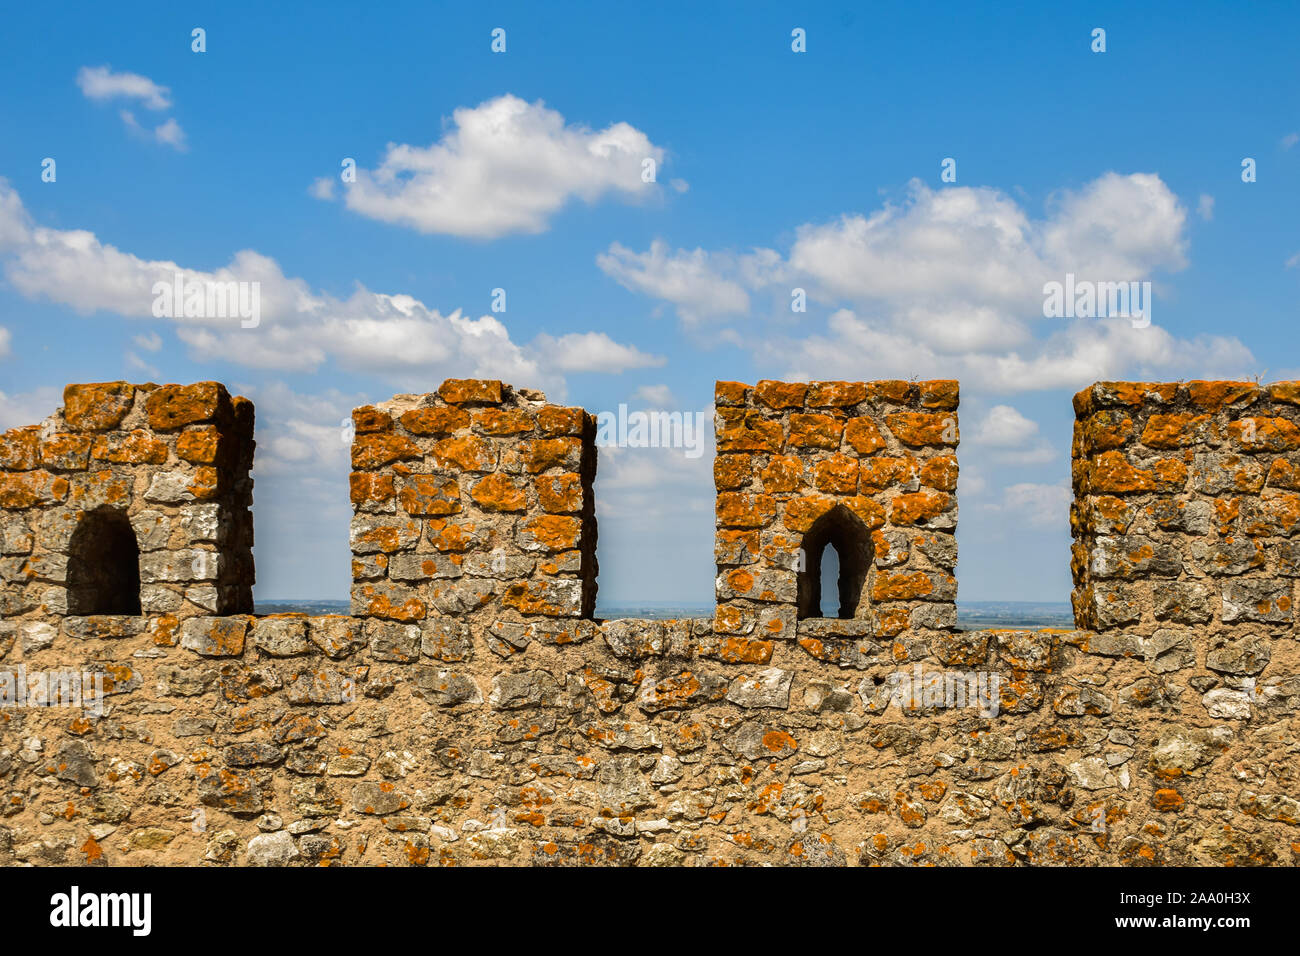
949	283
1011	438
393	336
149	341
505	166
591	352
102	84
655	396
1004	427
691	280
168	133
140	365
1040	506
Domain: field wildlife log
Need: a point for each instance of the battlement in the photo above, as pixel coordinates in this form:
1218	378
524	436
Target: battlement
471	709
1185	504
121	471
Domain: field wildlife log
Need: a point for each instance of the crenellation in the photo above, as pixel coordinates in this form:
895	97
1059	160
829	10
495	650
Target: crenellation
1182	510
472	709
866	466
489	489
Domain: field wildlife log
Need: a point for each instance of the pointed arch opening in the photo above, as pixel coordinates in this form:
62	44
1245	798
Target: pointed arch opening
103	565
846	533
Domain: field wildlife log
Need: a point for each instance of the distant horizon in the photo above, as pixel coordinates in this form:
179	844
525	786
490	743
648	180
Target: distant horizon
690	604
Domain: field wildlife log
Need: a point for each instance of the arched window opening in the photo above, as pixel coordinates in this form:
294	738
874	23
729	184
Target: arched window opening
850	558
103	565
830	602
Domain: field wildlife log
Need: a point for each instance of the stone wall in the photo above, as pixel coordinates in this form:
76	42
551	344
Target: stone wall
473	503
422	732
1185	504
868	466
165	466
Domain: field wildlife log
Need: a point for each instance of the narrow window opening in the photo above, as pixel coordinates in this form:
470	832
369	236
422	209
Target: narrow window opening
834	585
830	603
103	565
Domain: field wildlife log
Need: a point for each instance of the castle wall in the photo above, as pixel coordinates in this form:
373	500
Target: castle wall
173	461
508	734
881	453
473	503
1184	512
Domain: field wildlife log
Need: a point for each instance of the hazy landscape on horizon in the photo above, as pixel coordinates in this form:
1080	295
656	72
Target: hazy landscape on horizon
971	615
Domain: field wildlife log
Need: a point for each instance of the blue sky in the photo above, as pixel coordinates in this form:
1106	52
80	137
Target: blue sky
775	170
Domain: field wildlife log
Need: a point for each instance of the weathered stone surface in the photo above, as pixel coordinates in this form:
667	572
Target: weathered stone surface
272	849
97	407
767	688
472	711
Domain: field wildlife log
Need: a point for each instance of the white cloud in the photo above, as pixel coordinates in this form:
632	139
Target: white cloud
1293	261
1004	427
949	283
505	166
1290	139
5	338
591	352
1010	438
168	133
301	432
644	488
321	188
394	336
149	341
655	396
101	83
15	223
691	281
140	365
1045	507
1205	206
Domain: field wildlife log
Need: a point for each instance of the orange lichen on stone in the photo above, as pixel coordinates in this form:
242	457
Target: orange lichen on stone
815	431
836	394
465	391
369	418
136	447
376	451
198	445
175	406
780	395
97	407
429	495
498	492
1215	395
466	453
